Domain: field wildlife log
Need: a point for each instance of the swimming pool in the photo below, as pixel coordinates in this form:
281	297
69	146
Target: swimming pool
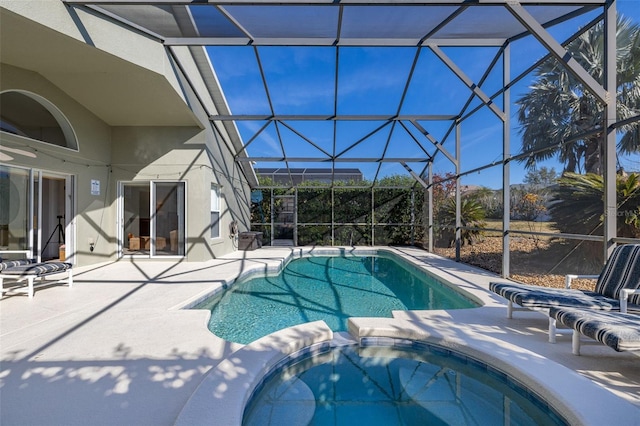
328	288
415	384
223	394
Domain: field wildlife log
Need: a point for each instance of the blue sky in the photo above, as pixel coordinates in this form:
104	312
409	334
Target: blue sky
372	81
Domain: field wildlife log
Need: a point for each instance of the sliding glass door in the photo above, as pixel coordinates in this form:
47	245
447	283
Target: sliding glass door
152	218
35	214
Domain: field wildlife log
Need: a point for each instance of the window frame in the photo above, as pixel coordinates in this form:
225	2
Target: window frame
215	209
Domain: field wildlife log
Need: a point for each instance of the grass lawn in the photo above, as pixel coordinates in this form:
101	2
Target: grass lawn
524	225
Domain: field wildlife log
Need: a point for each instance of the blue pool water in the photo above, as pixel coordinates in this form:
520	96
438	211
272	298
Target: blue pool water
325	288
416	385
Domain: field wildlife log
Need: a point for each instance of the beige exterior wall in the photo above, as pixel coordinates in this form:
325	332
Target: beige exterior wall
180	153
87	28
134	118
89	162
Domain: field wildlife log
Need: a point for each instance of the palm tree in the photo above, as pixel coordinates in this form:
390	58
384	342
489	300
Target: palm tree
472	215
557	107
584	194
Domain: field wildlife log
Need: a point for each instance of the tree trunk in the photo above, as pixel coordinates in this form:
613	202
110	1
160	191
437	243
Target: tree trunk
571	163
593	155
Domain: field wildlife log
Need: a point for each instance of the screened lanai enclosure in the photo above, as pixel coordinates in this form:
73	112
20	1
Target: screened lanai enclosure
496	132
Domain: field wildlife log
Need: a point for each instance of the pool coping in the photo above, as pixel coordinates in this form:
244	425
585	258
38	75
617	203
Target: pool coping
225	391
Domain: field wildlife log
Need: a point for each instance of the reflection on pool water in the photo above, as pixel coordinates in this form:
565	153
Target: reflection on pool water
325	288
415	385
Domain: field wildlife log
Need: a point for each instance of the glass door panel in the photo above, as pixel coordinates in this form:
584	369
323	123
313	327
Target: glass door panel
168	235
14	212
136	218
284	218
52	223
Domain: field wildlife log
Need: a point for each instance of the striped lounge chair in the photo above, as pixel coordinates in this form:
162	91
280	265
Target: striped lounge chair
622	271
620	331
29	271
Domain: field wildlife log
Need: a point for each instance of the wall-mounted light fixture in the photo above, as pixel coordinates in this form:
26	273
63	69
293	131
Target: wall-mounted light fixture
92	244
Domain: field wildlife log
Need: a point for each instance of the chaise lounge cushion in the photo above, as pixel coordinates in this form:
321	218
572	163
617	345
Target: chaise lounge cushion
36	268
621	271
12	263
531	296
614	329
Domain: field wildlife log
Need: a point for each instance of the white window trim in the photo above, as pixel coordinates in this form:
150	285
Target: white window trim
215	207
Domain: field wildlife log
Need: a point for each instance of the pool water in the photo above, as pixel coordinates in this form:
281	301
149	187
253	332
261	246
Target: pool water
420	385
331	289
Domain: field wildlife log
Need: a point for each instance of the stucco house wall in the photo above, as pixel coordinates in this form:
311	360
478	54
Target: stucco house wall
136	118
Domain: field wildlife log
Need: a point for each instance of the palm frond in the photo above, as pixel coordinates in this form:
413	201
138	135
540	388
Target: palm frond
557	108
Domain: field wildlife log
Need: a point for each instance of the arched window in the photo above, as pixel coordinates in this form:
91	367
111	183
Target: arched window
31	116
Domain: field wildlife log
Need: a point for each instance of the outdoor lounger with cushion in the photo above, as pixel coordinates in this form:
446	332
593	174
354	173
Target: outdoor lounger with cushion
620	331
28	270
622	271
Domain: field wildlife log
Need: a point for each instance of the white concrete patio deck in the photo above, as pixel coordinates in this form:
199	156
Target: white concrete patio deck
116	348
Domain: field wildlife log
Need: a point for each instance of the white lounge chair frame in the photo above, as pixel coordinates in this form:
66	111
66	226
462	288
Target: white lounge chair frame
34	279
